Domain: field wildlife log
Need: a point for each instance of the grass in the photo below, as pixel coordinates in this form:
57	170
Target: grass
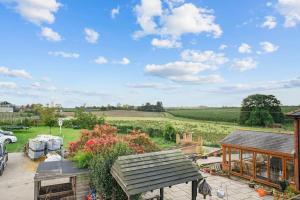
220	114
123	113
24	135
69	135
208	114
162	143
211	132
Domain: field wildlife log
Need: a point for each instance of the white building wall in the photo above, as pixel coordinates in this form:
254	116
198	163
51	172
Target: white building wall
6	109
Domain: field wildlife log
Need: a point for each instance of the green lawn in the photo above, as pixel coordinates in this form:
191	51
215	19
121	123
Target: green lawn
162	143
69	135
24	135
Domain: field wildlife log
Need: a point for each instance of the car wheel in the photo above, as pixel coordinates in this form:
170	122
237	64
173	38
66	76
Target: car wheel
8	141
1	171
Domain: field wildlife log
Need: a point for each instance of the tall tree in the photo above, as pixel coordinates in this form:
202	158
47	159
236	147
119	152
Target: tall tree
49	116
259	109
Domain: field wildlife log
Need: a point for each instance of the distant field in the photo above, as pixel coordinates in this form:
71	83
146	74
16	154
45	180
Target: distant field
211	132
224	114
122	113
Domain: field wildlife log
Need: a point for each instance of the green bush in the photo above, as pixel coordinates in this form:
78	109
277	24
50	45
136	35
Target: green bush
100	166
154	132
68	123
82	159
260	118
170	133
86	120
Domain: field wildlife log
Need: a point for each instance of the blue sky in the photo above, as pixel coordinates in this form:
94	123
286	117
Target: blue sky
181	52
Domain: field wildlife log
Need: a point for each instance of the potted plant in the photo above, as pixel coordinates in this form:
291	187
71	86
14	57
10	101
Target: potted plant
251	183
213	171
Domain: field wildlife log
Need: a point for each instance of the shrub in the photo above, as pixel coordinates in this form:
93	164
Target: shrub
68	123
100	144
74	147
82	159
140	142
99	148
170	133
260	118
154	132
86	120
103	132
101	178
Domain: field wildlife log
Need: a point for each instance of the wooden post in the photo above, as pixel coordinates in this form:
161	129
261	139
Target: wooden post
36	190
194	190
254	165
161	194
268	169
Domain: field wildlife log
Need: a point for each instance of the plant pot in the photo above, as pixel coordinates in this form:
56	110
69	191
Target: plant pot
251	185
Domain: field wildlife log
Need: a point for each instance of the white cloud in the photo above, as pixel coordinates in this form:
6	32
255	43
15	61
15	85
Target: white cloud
37	86
91	35
269	4
190	79
189	19
290	9
177	68
165	43
50	34
264	86
174	21
244	64
124	61
270	22
8	85
19	73
114	12
46	79
146	12
268	47
189	68
207	57
36	11
100	60
184	72
154	86
173	3
64	54
223	46
244	48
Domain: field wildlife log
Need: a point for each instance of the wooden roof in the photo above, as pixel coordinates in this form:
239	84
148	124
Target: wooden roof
276	142
145	172
57	169
295	114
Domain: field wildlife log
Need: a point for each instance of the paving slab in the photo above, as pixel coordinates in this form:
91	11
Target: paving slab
234	189
17	180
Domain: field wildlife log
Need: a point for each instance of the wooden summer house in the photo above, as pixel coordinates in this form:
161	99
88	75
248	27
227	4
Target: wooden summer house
264	157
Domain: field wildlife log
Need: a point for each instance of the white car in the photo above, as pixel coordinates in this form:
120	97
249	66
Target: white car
8	136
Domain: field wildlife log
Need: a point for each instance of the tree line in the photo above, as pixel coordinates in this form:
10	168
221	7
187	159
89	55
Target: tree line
147	107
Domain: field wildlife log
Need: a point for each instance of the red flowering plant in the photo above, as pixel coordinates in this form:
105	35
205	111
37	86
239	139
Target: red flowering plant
90	140
100	144
140	142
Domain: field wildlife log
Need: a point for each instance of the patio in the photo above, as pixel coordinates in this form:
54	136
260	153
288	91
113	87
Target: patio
236	190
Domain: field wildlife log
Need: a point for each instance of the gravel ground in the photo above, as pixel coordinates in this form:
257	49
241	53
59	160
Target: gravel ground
16	183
